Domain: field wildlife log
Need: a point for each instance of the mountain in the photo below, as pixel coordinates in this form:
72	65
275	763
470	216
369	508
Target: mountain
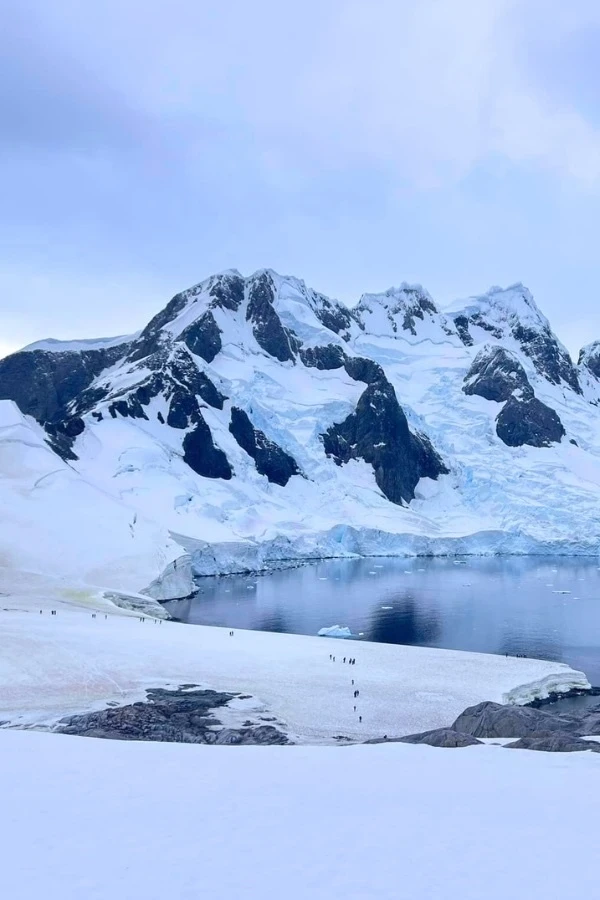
255	419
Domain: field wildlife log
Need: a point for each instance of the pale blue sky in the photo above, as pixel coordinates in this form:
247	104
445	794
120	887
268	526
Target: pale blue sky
145	145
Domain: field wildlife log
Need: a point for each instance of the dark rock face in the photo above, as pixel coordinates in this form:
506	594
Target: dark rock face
183	716
201	455
549	358
335	317
203	337
554	742
185	373
266	326
62	435
227	291
462	327
495	374
268	456
378	433
590	358
361	369
43	382
528	422
439	737
416	304
183	409
129	407
493	720
329	357
150	339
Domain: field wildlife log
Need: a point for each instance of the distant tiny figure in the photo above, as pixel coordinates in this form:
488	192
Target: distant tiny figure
334	658
355	709
360	718
330	655
385	737
353	681
40	612
357	693
344	659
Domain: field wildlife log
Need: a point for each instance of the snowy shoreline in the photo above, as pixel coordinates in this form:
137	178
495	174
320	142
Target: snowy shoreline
92	654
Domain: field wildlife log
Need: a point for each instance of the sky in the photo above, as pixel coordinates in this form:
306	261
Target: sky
146	145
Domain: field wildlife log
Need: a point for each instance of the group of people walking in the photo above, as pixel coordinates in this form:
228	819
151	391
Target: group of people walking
352	662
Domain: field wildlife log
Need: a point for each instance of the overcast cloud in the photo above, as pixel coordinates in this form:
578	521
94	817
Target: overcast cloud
146	145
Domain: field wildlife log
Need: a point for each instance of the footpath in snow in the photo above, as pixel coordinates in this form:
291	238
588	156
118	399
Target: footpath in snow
112	819
51	666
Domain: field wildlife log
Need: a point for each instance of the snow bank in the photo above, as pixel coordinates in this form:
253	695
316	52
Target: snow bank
115	819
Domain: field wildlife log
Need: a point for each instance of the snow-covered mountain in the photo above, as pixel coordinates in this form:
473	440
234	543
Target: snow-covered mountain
254	418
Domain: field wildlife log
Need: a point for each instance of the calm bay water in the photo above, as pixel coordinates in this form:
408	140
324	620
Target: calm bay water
493	605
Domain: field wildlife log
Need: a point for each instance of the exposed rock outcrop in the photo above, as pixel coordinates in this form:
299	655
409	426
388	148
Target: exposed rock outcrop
203	337
496	374
554	742
266	325
494	720
528	421
183	716
439	737
201	454
44	382
378	433
269	458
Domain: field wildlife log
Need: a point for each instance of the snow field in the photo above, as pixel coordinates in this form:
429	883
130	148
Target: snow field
97	819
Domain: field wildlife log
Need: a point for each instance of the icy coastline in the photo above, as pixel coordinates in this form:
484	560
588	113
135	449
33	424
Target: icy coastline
205	559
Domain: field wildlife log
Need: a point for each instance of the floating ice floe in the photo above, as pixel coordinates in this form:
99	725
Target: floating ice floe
337	631
386	607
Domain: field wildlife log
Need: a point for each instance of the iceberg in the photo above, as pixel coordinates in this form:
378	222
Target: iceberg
337	631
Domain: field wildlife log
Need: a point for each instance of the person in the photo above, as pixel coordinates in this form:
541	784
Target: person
355	709
360	718
353	681
344	659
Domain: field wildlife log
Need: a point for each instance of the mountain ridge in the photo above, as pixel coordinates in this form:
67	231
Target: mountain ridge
256	408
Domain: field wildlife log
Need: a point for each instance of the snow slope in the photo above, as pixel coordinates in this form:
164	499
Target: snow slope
391	822
146	429
56	523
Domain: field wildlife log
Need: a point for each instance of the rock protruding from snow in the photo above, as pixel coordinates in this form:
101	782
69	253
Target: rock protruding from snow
378	433
496	374
203	337
589	358
268	456
528	421
400	310
438	737
201	454
554	742
494	720
43	382
512	314
266	324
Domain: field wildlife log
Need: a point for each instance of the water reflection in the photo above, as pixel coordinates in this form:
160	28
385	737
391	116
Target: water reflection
405	623
546	607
